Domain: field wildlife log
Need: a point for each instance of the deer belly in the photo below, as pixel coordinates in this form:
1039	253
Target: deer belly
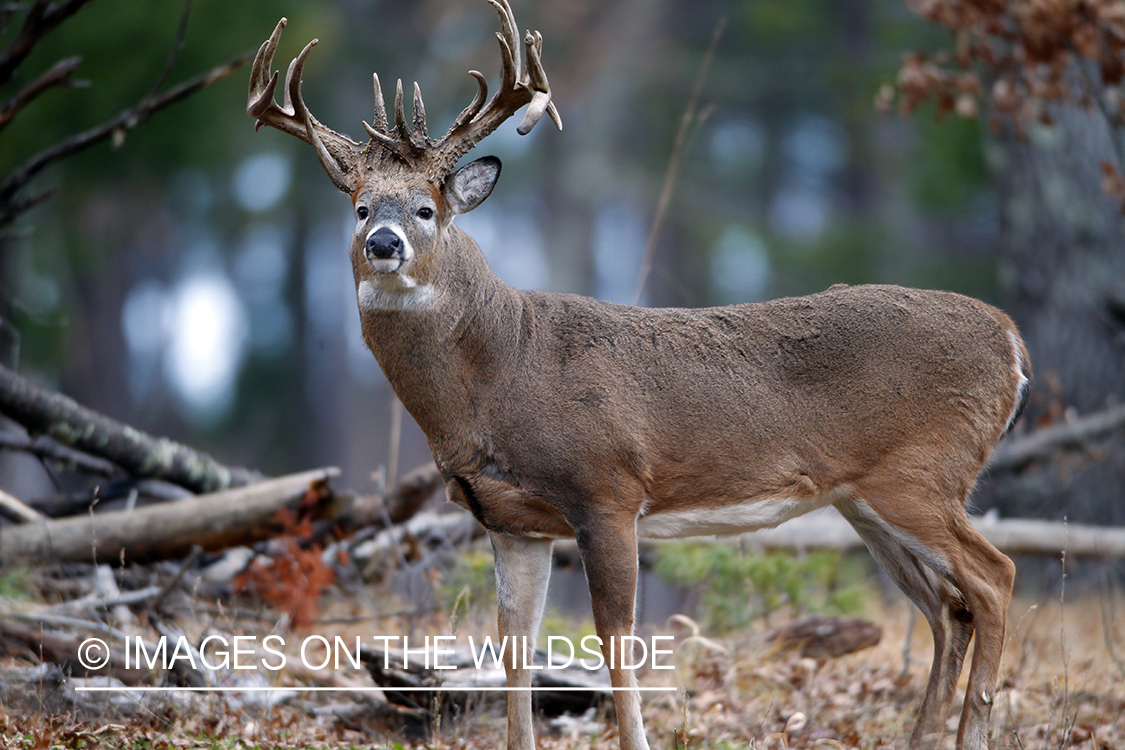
733	518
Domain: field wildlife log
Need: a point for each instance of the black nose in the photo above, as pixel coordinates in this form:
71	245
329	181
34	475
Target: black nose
383	243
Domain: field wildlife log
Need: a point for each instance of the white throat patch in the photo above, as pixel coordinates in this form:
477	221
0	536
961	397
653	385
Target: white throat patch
395	291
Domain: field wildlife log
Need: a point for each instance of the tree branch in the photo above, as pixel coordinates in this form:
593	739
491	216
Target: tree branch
41	19
1042	443
239	516
43	447
43	412
58	74
125	120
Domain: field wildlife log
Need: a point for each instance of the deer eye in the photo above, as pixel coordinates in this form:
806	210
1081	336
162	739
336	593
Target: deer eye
361	212
425	212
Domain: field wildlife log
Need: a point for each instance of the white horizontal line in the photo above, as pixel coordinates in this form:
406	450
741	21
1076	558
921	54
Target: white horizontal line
332	689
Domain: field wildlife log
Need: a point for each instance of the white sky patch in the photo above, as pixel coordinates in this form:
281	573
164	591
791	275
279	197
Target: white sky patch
262	180
207	332
740	267
737	146
145	318
619	249
520	263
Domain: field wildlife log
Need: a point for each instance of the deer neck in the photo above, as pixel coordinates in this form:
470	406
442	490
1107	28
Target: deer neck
442	356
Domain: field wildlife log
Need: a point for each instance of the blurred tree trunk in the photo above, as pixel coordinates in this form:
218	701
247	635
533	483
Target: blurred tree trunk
1062	275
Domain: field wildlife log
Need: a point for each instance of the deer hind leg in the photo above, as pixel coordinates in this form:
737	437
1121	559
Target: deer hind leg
523	567
908	565
973	582
609	556
985	576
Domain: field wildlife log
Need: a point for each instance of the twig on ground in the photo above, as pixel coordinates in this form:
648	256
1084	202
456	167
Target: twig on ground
43	447
99	601
196	553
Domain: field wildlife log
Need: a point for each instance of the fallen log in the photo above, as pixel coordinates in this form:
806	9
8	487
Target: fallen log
16	511
1015	452
56	648
562	687
239	516
43	412
827	530
823	637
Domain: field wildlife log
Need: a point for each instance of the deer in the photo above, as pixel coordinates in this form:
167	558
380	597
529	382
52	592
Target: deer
556	416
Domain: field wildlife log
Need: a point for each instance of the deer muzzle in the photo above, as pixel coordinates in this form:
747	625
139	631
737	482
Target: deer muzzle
383	244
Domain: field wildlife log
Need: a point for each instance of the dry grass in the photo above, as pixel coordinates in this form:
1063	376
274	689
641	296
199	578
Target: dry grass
1061	688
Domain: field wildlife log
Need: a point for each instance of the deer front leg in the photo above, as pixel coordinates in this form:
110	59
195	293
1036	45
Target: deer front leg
609	556
523	567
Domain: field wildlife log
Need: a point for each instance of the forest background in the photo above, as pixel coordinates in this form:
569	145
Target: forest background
190	277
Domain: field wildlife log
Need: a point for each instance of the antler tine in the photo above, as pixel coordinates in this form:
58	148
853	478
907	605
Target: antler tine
469	112
537	83
421	136
509	29
380	131
402	131
520	83
509	70
552	112
260	71
337	153
380	119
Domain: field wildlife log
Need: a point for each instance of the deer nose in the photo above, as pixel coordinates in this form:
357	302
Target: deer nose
383	243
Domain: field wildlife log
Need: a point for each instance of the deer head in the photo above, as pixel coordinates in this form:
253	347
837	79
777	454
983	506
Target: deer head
402	182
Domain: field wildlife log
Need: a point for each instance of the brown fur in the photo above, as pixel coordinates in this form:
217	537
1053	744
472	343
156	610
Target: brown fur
555	415
552	415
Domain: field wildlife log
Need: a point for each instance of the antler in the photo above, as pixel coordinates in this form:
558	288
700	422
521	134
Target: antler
342	157
338	154
519	85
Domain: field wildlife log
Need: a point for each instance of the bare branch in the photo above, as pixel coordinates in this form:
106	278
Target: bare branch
239	516
43	447
679	147
58	74
41	19
125	120
177	45
17	511
1014	454
43	412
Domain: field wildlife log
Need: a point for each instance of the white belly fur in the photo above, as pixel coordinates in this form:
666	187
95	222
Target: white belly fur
736	518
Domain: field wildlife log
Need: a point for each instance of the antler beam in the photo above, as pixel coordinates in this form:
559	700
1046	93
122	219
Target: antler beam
521	83
338	154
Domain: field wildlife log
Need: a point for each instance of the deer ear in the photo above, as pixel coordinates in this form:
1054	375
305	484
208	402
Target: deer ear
467	188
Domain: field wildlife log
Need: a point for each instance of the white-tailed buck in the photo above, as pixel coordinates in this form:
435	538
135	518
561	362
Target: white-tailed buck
556	416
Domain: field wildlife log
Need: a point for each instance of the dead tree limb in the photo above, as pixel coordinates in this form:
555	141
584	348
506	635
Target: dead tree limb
42	17
827	530
399	505
116	127
16	640
16	511
44	448
1015	453
57	75
44	412
222	519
